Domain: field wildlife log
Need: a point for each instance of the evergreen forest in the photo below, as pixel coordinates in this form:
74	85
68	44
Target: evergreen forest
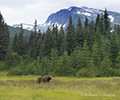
81	50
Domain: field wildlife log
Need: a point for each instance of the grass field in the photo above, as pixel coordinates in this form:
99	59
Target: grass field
59	88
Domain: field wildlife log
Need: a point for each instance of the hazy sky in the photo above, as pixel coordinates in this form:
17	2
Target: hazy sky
26	11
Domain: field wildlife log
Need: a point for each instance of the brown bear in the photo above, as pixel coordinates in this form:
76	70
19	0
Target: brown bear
43	79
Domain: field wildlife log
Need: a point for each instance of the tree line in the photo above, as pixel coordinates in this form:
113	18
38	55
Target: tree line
89	50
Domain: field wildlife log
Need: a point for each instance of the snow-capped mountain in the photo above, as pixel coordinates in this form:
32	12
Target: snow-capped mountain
25	26
61	17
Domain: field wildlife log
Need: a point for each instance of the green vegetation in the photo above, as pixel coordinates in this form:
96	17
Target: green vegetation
15	30
65	88
89	51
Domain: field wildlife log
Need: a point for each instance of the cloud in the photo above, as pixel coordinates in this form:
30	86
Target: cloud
26	11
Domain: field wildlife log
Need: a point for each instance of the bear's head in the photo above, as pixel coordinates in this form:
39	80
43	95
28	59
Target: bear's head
49	78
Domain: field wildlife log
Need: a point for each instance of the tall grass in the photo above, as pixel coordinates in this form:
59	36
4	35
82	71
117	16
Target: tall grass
59	88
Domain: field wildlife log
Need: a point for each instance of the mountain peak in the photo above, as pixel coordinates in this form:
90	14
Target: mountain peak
61	17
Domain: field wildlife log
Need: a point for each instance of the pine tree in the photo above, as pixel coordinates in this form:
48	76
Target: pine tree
21	44
9	59
96	55
90	34
47	44
113	48
79	24
97	36
106	20
27	43
39	34
54	60
102	30
118	29
105	65
15	43
92	26
97	24
64	68
77	60
79	35
37	49
33	50
70	31
35	29
86	22
117	60
31	39
86	54
61	44
115	28
4	38
55	36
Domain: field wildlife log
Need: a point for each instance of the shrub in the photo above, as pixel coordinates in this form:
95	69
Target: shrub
30	69
15	71
2	65
111	72
86	72
82	73
118	72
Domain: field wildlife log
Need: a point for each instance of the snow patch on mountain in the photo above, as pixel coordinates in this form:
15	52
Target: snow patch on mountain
69	8
86	13
25	26
78	12
111	18
64	25
61	17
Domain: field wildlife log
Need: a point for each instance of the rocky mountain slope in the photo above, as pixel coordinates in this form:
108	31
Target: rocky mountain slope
61	17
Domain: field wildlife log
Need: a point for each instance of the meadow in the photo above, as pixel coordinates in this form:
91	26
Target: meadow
59	88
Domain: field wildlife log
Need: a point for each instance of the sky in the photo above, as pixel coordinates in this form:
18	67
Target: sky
26	11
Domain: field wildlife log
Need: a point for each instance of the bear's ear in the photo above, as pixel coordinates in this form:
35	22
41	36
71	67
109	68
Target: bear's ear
50	77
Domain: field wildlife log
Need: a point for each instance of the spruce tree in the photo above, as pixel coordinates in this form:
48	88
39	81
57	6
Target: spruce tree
105	65
61	43
90	34
117	60
15	43
47	44
21	44
27	43
79	24
113	48
37	49
97	36
97	24
102	30
33	49
86	54
96	54
70	31
4	38
54	60
64	67
55	36
35	29
39	34
106	20
118	29
86	22
9	58
31	39
79	35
